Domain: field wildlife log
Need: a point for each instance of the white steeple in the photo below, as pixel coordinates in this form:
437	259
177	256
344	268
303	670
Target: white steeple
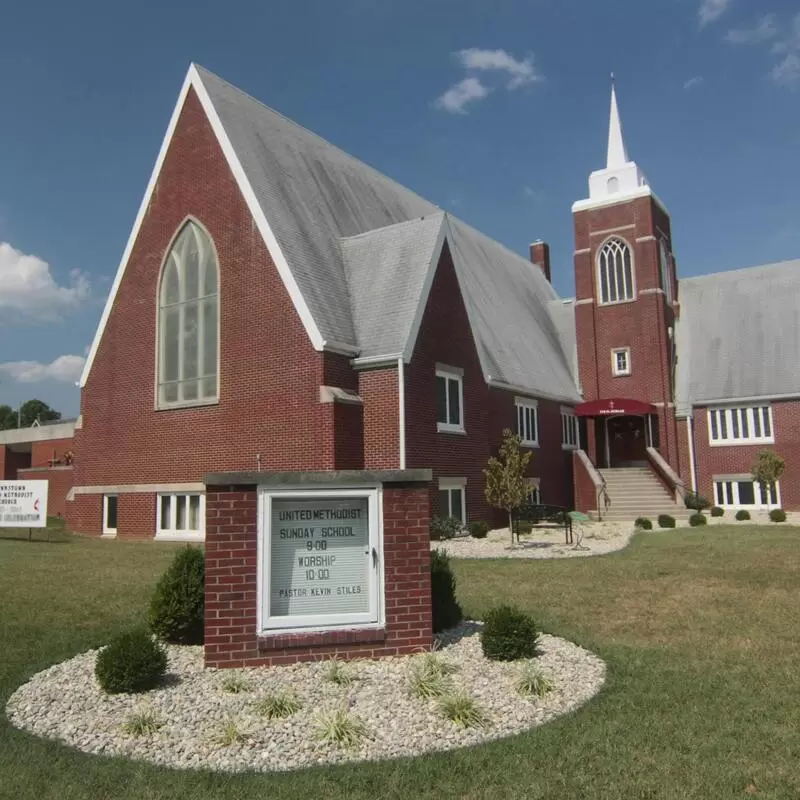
621	179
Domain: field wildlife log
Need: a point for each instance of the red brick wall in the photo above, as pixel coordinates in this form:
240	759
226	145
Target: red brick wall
585	490
42	452
231	638
739	459
379	389
59	482
11	461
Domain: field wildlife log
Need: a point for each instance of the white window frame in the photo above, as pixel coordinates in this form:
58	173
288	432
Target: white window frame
171	534
615	370
448	485
664	267
730	418
534	485
570	430
735	480
521	405
451	374
317	623
611	261
107	530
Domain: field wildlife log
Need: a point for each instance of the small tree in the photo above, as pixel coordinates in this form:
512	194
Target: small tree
767	471
506	482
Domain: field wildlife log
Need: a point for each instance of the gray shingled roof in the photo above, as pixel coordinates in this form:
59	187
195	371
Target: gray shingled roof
359	246
739	335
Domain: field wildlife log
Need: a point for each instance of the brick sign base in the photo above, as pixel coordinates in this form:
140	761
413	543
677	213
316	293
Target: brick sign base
231	636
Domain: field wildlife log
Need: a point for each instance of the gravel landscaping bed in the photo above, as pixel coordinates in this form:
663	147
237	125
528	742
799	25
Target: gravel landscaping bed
193	708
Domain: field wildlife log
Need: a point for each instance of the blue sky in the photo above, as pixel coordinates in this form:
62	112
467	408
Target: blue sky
497	111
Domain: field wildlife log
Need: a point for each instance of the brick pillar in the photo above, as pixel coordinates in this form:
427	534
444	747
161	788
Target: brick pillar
540	255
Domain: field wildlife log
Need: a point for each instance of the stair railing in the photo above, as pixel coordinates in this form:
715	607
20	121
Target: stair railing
602	499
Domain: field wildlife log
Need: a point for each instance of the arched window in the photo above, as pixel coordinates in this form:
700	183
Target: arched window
615	272
188	321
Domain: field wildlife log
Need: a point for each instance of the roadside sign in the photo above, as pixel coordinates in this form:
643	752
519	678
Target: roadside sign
23	504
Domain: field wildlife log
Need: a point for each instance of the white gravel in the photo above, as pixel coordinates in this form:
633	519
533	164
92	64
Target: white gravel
65	703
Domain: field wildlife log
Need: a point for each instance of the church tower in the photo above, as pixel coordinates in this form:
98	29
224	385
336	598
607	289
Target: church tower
625	311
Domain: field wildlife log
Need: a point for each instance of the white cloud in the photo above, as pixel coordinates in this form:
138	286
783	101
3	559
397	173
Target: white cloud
457	97
763	31
27	285
520	72
65	368
712	10
787	71
694	82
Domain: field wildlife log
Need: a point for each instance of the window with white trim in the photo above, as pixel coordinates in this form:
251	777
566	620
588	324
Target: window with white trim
453	498
666	273
615	272
188	322
181	515
534	496
743	425
527	421
110	504
621	361
449	400
744	492
570	439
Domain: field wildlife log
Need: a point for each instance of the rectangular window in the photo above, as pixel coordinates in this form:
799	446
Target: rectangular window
742	425
743	492
621	361
534	497
110	514
320	560
181	516
449	400
452	498
527	421
569	429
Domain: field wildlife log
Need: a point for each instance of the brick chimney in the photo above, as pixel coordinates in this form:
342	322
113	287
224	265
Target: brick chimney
540	255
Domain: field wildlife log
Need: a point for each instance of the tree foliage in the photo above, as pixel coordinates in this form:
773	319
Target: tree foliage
506	480
29	412
768	469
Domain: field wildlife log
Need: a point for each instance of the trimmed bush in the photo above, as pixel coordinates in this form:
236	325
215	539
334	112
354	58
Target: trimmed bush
177	607
777	515
132	662
643	523
478	529
697	519
716	511
695	502
443	528
446	610
742	514
508	634
666	521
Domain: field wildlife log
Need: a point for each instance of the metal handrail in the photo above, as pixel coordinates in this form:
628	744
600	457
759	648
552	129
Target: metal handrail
602	492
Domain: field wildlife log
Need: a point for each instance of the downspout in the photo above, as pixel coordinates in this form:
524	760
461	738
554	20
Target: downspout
692	467
401	393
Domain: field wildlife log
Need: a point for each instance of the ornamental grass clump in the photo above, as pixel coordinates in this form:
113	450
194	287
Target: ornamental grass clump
532	682
177	607
509	634
131	662
230	732
462	710
278	706
236	684
142	723
338	672
429	676
340	727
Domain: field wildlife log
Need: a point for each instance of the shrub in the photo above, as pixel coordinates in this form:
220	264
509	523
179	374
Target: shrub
479	529
777	515
697	519
176	610
132	662
716	511
340	727
508	634
742	514
695	502
443	528
461	709
531	682
446	610
643	523
666	521
277	706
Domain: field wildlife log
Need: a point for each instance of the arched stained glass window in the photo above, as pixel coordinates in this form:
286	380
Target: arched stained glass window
615	272
188	321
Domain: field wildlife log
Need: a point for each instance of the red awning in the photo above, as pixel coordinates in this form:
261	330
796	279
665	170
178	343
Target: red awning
604	408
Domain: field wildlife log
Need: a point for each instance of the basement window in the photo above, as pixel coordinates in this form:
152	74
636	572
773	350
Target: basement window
744	492
181	517
110	502
452	498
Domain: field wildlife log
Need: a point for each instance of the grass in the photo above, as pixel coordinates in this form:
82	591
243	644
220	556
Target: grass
462	710
279	705
336	671
230	732
697	627
234	683
340	727
532	682
142	723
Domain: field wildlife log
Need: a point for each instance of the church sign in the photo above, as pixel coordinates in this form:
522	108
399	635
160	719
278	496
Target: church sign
320	564
23	504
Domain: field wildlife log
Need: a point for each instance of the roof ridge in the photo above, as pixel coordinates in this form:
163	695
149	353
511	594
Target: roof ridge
414	220
737	270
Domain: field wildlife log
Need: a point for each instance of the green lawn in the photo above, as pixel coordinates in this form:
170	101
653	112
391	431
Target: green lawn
699	629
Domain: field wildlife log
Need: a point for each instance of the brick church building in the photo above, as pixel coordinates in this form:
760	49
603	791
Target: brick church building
282	306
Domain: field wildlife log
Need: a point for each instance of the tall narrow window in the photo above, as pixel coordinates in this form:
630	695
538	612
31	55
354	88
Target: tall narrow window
615	272
188	319
666	274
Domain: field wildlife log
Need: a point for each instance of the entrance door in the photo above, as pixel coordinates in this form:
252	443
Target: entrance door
627	442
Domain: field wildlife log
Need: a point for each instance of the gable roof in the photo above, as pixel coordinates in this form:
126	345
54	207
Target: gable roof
357	251
738	336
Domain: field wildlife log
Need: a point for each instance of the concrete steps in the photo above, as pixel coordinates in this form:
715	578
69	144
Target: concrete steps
637	492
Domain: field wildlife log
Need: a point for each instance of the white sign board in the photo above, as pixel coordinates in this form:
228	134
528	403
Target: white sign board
320	559
23	504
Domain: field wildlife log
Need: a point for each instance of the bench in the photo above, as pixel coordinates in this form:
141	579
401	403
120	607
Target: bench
543	513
